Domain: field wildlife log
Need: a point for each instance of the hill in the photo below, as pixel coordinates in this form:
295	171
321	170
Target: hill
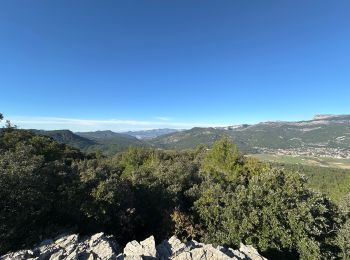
68	137
325	135
106	141
103	135
331	131
110	142
196	136
153	133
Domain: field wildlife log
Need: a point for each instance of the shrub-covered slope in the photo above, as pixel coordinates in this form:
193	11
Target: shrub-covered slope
107	142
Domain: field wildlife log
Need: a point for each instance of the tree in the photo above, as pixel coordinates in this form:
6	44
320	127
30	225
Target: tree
106	200
37	188
223	160
263	206
343	237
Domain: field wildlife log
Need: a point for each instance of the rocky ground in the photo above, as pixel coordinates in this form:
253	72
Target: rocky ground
101	246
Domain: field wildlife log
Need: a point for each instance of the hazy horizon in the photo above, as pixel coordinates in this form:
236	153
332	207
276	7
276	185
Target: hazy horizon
86	125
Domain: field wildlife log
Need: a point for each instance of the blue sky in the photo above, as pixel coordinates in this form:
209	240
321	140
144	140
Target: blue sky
88	65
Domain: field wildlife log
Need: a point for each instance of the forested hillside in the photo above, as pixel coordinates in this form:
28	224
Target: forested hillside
69	138
215	196
322	136
333	182
106	142
194	137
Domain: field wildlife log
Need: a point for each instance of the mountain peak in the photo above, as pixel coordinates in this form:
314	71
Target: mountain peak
328	116
324	116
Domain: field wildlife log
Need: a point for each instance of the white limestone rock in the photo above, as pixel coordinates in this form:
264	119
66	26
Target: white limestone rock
102	247
170	247
207	252
146	248
250	252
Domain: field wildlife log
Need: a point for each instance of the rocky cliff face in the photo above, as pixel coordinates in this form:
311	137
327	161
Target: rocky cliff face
100	246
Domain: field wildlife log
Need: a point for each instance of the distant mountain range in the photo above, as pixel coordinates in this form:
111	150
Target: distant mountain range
149	134
325	135
105	135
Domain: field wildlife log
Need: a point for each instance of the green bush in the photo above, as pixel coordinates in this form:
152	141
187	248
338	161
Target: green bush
270	209
36	183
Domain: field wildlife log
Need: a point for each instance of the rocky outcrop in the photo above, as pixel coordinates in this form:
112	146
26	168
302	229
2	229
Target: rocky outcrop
100	246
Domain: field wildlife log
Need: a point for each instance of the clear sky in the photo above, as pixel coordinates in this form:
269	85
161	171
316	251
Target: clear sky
120	65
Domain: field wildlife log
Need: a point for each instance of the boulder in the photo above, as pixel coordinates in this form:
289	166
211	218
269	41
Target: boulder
232	253
66	240
103	246
202	253
170	247
22	254
145	249
71	247
250	252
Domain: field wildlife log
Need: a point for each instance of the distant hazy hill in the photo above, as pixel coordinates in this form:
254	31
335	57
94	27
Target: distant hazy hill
325	131
107	134
330	131
148	134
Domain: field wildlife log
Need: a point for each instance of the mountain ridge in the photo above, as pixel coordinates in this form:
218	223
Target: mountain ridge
152	133
331	135
327	136
107	142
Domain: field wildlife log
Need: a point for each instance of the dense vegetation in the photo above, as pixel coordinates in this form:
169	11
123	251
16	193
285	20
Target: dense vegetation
216	196
333	182
107	142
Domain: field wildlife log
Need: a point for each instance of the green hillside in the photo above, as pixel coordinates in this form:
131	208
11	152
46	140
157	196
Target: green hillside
333	182
325	162
69	138
110	142
331	135
197	136
324	136
107	142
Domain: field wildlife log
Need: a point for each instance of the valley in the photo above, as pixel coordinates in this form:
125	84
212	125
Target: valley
325	136
304	160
